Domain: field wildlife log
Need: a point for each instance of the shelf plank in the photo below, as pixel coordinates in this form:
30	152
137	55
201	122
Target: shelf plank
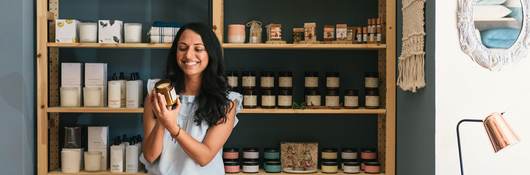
244	111
110	46
261	172
306	46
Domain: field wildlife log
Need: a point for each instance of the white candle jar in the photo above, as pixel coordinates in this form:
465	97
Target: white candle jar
133	32
88	32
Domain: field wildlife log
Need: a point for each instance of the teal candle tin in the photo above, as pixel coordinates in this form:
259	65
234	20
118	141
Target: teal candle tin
273	167
271	154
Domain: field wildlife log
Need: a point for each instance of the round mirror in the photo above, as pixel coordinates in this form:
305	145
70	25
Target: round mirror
493	32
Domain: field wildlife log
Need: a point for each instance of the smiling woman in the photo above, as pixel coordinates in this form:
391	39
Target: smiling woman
187	138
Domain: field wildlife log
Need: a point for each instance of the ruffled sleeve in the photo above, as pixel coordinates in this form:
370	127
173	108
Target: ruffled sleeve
238	99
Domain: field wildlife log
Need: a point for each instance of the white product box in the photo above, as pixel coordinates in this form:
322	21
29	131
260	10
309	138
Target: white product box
134	94
110	31
117	158
95	74
71	74
98	139
66	30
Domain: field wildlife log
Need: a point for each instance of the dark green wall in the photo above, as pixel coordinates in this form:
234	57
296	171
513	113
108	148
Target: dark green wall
416	112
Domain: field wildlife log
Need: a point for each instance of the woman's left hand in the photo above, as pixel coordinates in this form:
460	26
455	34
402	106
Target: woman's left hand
165	115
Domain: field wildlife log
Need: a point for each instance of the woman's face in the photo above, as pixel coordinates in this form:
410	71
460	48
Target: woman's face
192	57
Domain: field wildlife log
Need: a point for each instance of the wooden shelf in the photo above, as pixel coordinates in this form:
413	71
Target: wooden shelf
244	111
306	46
110	46
261	172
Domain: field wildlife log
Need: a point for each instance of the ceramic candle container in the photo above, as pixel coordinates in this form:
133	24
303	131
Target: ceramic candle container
88	32
236	33
133	32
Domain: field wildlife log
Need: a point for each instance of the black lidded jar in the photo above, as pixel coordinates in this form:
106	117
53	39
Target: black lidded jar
248	80
285	98
267	80
351	98
268	99
311	80
285	80
371	99
250	98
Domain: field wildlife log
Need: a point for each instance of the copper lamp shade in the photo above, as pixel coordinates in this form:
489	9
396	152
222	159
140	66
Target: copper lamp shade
500	133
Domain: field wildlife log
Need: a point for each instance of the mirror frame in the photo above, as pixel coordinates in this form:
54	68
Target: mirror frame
492	59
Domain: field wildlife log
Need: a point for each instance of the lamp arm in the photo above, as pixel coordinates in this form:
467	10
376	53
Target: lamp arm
458	139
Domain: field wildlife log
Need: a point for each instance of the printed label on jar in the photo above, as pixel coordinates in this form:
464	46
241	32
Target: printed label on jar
285	82
173	94
285	100
379	37
250	100
359	38
365	37
249	81
312	100
371	37
351	101
332	82
267	82
311	82
232	81
371	82
332	101
372	101
268	100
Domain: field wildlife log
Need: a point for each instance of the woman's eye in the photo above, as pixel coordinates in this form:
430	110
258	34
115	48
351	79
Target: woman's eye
199	49
182	48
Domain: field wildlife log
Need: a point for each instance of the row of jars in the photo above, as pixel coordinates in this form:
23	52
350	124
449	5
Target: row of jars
283	98
285	80
350	160
249	163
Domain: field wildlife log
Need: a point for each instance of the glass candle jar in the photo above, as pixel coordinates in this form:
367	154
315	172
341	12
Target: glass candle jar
332	98
271	154
329	154
250	167
312	98
267	80
349	154
368	154
231	166
332	80
248	80
298	35
166	88
371	98
232	79
371	80
250	153
236	33
273	166
311	80
250	98
372	167
268	99
351	98
329	167
285	98
285	80
231	153
351	167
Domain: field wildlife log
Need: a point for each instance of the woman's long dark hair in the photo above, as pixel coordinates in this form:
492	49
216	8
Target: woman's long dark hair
212	99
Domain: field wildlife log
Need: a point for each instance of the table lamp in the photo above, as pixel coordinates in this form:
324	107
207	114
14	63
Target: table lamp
499	132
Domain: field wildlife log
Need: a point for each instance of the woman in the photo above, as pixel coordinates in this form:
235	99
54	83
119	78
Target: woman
186	139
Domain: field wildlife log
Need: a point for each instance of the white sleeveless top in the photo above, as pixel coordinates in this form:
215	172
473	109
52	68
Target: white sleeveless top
173	160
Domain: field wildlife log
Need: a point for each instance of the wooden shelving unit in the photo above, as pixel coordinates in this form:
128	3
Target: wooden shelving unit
244	111
261	172
48	79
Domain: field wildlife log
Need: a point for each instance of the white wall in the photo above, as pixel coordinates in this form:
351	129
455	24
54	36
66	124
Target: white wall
466	90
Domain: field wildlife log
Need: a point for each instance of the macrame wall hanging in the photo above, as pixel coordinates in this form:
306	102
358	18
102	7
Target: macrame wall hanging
411	73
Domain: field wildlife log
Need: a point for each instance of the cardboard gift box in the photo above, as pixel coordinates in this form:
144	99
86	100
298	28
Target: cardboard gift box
66	30
110	31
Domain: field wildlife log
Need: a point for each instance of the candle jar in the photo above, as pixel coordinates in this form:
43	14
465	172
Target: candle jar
368	154
311	80
267	80
70	97
93	161
349	154
236	33
71	160
250	153
371	98
268	99
250	98
230	153
273	166
132	32
332	99
93	96
298	35
371	80
329	167
285	98
250	167
332	80
232	79
285	80
88	32
329	154
351	167
166	88
72	137
312	98
248	80
372	167
271	154
231	166
351	98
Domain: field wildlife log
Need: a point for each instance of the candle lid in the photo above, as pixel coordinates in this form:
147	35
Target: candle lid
329	163
332	74
351	92
311	74
286	74
267	74
229	149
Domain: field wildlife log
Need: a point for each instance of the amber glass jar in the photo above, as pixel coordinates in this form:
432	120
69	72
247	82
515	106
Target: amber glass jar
250	98
267	80
268	99
165	87
332	98
285	80
285	98
332	80
312	98
311	80
351	98
248	80
371	98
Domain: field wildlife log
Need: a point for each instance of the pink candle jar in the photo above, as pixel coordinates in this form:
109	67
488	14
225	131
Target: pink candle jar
368	154
372	167
231	153
236	33
232	166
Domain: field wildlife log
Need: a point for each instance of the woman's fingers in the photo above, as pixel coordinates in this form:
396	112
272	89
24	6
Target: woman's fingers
156	106
161	102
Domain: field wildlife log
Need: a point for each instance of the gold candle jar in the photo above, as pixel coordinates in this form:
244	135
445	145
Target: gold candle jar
165	88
